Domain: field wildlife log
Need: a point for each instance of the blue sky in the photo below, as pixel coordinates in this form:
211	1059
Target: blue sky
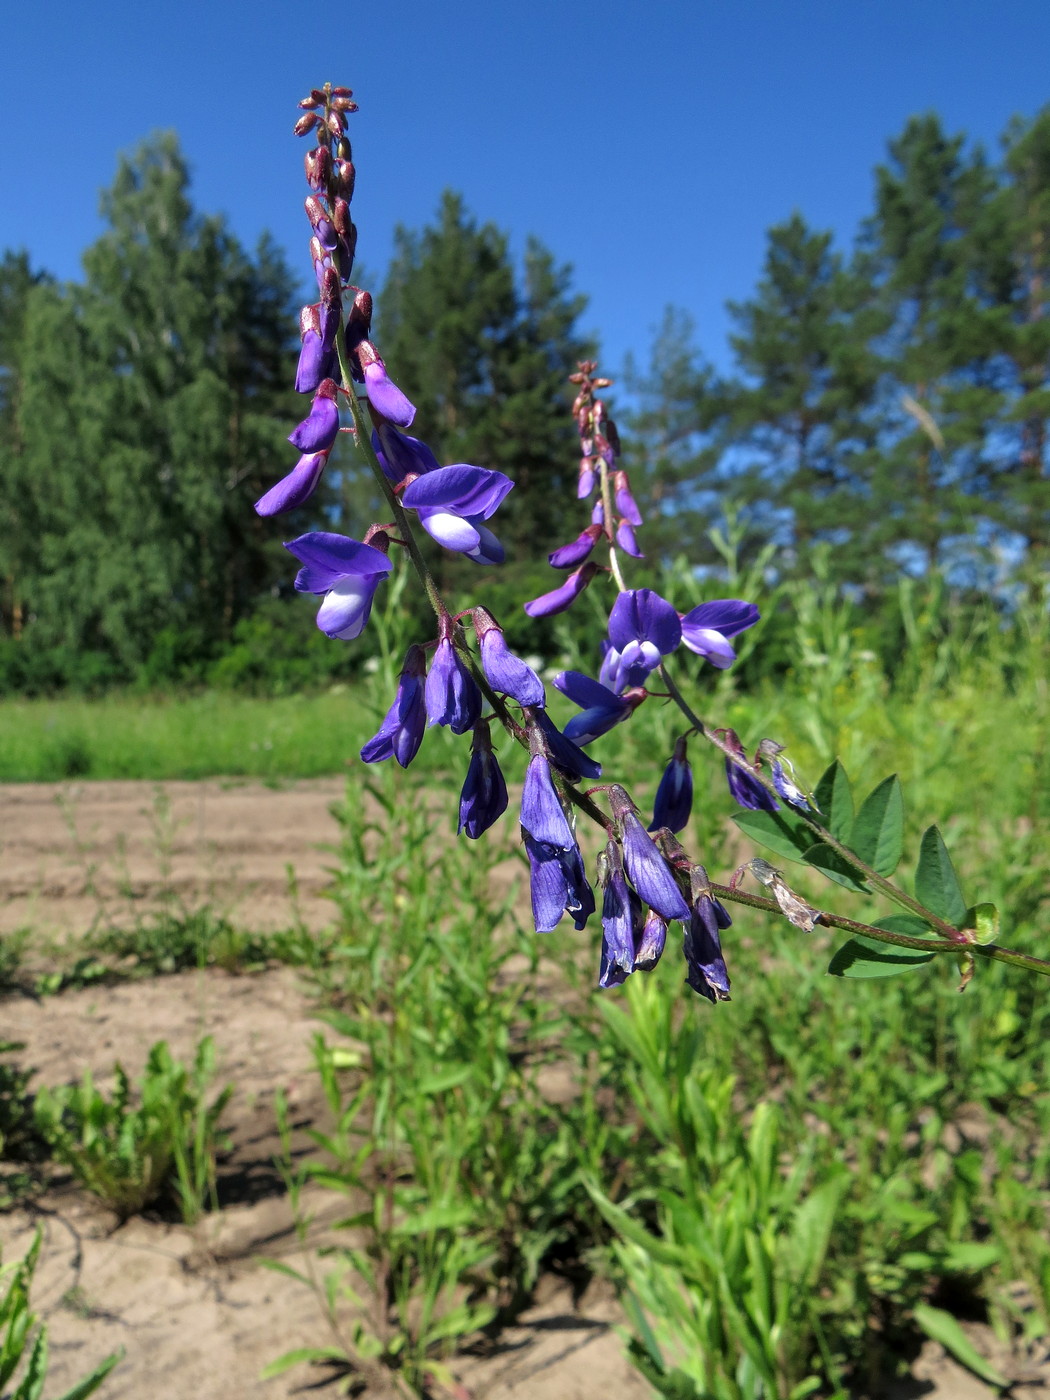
650	145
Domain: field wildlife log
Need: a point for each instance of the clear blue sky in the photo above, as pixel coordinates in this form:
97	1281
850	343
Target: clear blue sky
650	145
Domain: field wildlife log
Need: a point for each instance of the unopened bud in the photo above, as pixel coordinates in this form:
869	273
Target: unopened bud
335	123
344	104
306	124
314	100
342	92
345	178
318	163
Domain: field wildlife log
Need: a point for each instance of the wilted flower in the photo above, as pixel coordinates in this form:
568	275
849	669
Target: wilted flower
484	796
674	796
401	733
706	967
651	942
347	572
621	912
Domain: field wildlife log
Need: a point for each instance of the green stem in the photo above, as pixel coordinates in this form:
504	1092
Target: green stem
991	951
886	887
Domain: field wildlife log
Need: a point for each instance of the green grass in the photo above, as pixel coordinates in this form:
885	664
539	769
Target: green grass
195	736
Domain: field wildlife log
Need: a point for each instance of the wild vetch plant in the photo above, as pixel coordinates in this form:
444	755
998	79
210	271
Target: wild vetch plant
466	678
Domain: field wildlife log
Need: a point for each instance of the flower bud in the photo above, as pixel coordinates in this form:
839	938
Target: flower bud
306	124
318	163
345	178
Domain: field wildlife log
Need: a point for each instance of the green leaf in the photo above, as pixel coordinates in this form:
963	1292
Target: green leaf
910	924
943	1328
782	832
878	832
835	867
91	1383
834	797
936	883
864	957
298	1355
985	919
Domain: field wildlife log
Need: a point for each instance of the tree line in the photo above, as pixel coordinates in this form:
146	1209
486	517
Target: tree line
887	403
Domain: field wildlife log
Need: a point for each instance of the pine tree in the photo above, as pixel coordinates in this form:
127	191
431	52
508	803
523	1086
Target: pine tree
796	421
485	356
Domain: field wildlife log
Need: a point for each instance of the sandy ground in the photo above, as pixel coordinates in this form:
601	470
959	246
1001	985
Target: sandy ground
196	1312
74	853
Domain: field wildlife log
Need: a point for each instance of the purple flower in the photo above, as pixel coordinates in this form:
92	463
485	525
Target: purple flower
626	540
317	431
401	733
649	873
610	665
453	501
561	598
587	478
316	360
542	814
621	913
383	394
558	885
347	572
484	796
565	755
643	628
295	488
706	967
651	943
674	796
400	455
625	502
504	671
571	554
748	791
706	628
602	710
452	694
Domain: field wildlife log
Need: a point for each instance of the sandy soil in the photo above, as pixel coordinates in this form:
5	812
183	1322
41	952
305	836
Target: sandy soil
194	1309
74	853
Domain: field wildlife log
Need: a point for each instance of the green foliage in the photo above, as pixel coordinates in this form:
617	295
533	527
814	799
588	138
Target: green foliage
892	402
24	1339
463	1176
129	485
127	1153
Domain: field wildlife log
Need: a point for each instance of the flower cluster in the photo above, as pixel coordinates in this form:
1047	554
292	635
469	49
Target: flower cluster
645	881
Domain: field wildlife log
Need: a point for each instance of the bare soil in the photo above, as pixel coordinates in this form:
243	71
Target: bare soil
196	1312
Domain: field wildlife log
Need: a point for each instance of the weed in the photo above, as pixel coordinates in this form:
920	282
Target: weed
127	1153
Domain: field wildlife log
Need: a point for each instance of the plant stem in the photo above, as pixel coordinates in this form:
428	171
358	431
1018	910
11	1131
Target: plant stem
886	887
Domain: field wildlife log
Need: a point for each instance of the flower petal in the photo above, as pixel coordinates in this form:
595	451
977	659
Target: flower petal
464	489
726	615
295	488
